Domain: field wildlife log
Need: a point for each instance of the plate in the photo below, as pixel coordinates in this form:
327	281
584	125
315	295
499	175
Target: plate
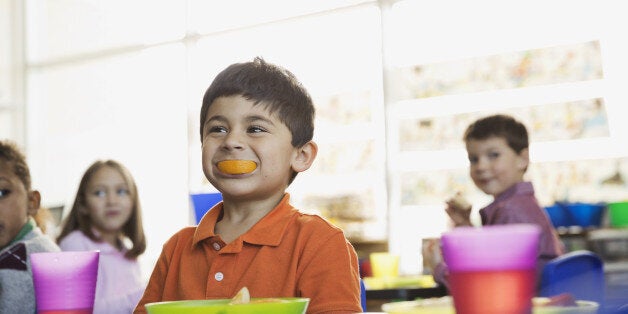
444	305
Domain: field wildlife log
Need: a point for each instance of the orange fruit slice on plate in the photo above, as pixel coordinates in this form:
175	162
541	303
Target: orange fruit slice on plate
237	166
242	297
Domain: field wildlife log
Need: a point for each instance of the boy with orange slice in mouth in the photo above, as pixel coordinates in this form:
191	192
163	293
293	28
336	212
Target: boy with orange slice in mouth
237	166
257	124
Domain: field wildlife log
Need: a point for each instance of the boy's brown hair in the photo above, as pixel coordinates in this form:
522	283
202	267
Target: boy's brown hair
271	86
499	125
15	159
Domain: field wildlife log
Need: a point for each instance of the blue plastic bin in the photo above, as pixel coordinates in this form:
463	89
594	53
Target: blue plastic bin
585	214
203	202
559	216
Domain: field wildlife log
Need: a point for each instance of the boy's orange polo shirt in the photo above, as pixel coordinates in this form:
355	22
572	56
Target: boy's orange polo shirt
286	254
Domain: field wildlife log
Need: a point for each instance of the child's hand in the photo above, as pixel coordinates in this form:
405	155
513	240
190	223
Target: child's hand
431	253
459	210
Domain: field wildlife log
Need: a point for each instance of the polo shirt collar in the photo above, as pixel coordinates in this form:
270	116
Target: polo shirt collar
268	231
520	188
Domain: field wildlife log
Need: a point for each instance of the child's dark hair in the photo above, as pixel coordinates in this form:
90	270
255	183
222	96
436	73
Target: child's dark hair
271	86
77	219
499	125
15	159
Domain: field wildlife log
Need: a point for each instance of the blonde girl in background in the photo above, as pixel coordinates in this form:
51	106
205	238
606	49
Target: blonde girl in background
106	216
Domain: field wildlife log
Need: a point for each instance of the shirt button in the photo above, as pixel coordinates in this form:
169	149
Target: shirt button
219	276
216	246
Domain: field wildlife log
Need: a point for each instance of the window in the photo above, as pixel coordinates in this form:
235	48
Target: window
394	82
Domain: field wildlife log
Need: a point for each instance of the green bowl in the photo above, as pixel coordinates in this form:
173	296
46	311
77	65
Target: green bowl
618	213
222	306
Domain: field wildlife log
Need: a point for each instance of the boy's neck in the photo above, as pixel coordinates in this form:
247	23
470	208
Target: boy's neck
495	197
239	217
26	228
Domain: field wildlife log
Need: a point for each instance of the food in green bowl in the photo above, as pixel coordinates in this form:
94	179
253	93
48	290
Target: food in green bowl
225	306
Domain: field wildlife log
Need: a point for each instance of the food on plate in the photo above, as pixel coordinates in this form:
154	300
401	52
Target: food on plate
459	202
266	300
236	166
242	297
563	299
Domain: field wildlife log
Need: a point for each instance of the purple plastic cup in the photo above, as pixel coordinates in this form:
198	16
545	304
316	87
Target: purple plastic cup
492	269
65	282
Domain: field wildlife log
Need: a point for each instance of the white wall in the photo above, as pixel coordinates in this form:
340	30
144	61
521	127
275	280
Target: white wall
105	83
426	32
127	108
115	80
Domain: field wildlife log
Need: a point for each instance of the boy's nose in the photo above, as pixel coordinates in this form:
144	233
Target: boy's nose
481	164
233	140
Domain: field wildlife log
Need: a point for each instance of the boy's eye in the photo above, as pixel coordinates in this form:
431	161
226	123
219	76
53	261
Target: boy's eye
493	155
216	129
473	159
4	192
256	129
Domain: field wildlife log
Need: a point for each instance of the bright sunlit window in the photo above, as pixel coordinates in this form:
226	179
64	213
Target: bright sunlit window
394	83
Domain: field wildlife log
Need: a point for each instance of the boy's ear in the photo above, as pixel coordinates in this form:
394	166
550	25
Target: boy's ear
305	157
524	159
34	201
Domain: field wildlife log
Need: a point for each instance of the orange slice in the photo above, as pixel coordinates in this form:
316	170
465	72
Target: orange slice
237	166
242	297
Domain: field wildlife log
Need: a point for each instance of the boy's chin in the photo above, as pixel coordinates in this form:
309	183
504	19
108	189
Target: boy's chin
490	191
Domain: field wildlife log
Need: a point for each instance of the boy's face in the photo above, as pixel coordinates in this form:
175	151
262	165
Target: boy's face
495	166
15	204
236	129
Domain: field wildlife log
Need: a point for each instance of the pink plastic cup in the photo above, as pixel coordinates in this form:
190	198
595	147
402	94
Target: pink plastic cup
492	269
65	282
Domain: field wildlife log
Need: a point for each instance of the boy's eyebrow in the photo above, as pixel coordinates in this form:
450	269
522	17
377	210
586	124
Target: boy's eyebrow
251	118
212	119
254	118
216	118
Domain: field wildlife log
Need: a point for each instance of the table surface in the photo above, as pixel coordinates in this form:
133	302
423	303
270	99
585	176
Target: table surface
406	293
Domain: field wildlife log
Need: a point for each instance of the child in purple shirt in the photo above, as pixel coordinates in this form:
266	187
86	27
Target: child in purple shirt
497	147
